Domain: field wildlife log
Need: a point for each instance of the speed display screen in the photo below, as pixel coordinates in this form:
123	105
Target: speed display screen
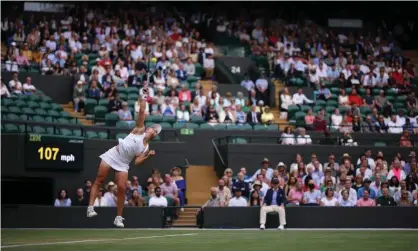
49	152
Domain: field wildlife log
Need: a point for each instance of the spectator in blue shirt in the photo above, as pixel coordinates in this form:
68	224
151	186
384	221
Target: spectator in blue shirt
94	91
333	73
366	186
274	201
324	93
181	74
240	184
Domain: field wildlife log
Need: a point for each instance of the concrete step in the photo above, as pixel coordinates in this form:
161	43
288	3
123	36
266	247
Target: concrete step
199	180
80	116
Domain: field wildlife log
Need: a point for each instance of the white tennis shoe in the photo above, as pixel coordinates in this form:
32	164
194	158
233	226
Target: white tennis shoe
118	221
90	212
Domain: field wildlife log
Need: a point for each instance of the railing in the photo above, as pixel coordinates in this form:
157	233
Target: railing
109	130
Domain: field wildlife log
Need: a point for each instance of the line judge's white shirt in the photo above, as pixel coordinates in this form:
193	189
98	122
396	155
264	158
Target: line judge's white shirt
158	201
238	202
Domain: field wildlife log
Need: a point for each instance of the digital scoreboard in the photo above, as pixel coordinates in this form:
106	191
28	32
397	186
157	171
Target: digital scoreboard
49	152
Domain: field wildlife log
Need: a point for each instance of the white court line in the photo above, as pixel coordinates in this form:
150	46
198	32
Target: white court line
213	229
97	240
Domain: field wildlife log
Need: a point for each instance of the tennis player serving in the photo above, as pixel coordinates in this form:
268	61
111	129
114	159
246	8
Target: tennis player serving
134	146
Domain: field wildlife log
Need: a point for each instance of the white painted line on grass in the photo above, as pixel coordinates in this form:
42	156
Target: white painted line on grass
97	240
213	229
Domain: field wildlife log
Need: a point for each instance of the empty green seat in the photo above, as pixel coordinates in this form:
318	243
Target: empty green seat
65	114
7	102
11	128
239	141
56	107
100	112
316	108
125	124
46	99
192	79
343	109
41	112
300	116
166	125
332	103
4	109
260	127
364	110
104	102
39	129
375	91
33	105
66	132
380	144
12	116
292	109
122	90
49	119
273	127
53	113
38	118
401	99
206	126
77	133
23	97
169	119
133	90
111	119
219	127
92	135
123	96
14	109
179	125
21	104
121	135
133	96
45	106
25	128
197	119
103	135
154	118
29	111
399	105
320	103
329	109
89	105
305	108
62	121
34	98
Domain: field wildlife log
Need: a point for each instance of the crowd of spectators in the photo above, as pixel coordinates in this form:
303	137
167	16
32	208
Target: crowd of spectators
343	181
159	191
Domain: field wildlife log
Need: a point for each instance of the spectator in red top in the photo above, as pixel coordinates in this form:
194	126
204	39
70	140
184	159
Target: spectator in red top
319	124
397	75
185	95
354	98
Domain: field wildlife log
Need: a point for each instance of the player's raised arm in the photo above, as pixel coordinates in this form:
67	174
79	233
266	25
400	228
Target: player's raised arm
142	100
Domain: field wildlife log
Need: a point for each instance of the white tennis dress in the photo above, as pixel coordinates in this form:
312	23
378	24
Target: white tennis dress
129	147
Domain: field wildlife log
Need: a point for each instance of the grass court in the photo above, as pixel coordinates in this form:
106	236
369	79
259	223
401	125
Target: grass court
193	240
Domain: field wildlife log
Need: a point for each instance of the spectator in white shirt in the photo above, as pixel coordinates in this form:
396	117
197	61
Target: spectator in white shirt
28	87
382	78
247	83
367	156
11	64
15	85
302	138
110	196
396	168
336	119
287	137
369	80
365	172
238	200
189	67
209	66
157	200
51	44
4	91
100	201
299	98
400	118
285	101
261	86
352	193
183	115
394	126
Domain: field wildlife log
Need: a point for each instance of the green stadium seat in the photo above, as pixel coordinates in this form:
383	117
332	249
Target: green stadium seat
122	90
103	135
92	135
329	109
38	118
89	105
206	126
260	127
292	109
121	135
335	90
169	119
399	105
56	107
300	116
45	106
53	113
125	124
199	70
33	105
192	79
321	103
111	119
391	93
104	102
23	97
219	127
273	127
334	97
375	91
391	99
28	111
401	98
154	118
63	121
11	128
4	109
100	112
305	108
133	90
24	128
133	96
21	104
66	132
332	103
364	110
123	96
14	109
239	141
77	133
12	116
41	112
348	90
362	92
179	125
380	144
131	103
65	114
197	119
39	129
316	108
34	98
166	125
7	102
49	119
343	109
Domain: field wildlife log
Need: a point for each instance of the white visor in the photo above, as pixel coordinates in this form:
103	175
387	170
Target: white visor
157	128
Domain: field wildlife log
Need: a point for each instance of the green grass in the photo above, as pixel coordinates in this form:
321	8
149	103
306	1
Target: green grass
192	240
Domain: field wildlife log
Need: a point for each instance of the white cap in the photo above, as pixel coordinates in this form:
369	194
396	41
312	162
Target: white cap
79	82
179	44
157	128
13	44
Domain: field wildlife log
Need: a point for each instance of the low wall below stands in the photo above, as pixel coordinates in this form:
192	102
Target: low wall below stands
297	217
315	217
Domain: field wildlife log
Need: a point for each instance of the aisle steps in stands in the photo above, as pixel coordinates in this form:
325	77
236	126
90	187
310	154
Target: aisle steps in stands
279	86
70	109
207	85
187	218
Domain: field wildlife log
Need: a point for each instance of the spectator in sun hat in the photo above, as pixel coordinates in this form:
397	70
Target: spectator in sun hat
257	187
266	164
